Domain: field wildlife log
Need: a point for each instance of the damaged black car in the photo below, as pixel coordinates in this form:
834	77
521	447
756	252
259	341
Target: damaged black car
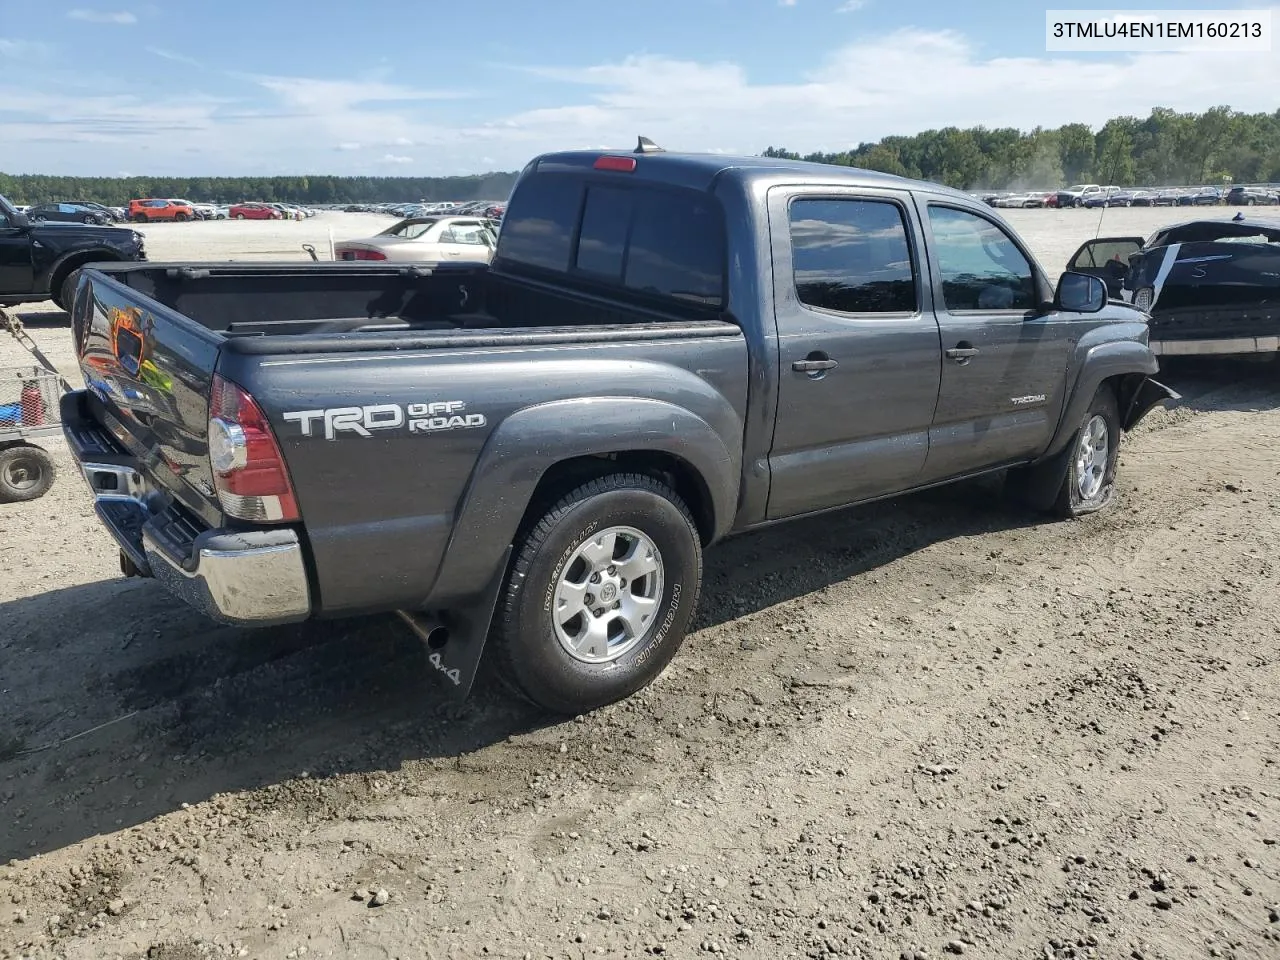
1209	286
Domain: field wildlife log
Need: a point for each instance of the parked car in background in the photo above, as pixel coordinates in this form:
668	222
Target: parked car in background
421	239
254	211
68	213
1210	286
1202	197
1074	196
40	260
116	214
205	211
1167	197
145	211
1242	196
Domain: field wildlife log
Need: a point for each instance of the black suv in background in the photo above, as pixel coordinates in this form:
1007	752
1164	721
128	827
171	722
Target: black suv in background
39	259
1241	196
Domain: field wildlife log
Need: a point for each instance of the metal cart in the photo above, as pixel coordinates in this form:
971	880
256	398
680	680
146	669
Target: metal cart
29	409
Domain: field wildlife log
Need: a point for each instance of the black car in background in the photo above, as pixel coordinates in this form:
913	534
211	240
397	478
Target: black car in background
69	213
1242	196
1204	197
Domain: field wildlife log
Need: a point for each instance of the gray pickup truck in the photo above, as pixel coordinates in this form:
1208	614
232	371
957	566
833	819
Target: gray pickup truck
528	458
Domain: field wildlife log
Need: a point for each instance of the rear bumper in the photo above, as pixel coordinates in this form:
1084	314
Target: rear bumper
243	578
1215	347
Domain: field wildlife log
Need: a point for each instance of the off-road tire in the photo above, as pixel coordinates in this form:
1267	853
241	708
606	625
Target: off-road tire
528	654
26	473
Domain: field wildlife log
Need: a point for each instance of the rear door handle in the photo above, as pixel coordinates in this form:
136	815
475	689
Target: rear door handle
962	353
813	366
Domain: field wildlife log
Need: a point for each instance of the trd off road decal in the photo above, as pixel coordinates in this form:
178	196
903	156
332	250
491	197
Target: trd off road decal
434	417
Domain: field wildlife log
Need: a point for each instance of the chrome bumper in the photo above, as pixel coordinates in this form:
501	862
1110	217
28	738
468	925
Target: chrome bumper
236	582
1196	348
248	578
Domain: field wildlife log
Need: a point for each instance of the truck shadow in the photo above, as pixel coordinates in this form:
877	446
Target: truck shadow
121	704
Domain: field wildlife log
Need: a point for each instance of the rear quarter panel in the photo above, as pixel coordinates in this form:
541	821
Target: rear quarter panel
382	510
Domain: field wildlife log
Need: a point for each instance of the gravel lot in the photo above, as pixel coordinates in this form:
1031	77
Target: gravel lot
935	727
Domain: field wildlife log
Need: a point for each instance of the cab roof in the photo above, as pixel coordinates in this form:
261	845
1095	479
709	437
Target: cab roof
701	170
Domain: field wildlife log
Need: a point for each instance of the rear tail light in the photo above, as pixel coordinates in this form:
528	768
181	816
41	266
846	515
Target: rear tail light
363	255
248	471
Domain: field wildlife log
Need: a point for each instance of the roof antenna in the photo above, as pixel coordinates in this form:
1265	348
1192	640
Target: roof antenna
645	145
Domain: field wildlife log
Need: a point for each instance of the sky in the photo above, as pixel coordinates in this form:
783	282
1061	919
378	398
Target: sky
264	87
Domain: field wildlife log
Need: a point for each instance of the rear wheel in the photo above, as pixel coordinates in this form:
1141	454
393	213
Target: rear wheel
180	217
239	216
600	594
64	290
26	472
139	218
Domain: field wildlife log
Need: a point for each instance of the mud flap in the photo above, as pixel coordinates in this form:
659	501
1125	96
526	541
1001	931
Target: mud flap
1150	394
455	640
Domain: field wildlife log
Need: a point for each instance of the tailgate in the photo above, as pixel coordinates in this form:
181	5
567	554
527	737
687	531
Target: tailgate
149	373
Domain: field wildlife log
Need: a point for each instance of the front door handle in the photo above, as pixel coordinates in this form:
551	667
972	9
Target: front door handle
814	365
962	353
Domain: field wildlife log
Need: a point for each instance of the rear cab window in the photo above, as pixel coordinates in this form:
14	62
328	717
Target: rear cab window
664	244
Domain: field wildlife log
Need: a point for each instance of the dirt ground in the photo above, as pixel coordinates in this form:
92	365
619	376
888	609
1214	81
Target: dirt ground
939	726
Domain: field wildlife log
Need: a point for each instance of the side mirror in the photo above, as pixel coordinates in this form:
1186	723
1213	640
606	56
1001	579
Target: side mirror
20	220
1080	293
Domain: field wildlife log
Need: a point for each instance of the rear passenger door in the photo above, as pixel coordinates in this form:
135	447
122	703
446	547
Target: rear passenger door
859	355
1004	359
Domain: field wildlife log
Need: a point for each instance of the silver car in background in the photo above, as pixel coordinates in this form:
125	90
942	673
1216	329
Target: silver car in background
418	239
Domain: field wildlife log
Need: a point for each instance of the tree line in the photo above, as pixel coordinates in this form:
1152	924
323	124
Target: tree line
118	191
1166	148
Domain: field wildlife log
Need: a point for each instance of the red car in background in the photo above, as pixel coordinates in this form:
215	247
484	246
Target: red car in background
253	211
144	211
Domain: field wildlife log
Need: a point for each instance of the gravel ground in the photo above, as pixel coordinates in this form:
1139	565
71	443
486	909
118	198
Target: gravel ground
938	727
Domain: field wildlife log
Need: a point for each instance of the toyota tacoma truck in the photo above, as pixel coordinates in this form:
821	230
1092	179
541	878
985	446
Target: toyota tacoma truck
529	457
39	259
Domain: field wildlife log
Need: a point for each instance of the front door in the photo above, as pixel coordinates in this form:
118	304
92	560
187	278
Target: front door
1004	358
857	344
16	272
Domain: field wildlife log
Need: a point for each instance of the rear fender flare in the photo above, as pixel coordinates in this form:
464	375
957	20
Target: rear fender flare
1131	360
530	442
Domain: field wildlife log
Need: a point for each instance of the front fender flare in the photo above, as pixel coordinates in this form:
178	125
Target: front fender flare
530	442
1103	361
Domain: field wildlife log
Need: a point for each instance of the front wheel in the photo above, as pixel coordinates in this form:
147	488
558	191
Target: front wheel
1081	479
602	589
239	216
26	473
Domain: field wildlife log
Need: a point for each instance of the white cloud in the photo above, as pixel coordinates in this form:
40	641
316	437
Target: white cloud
348	146
393	158
23	49
786	3
851	6
121	17
175	57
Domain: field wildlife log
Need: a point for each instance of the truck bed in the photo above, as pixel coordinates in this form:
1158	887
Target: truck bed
379	506
274	300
